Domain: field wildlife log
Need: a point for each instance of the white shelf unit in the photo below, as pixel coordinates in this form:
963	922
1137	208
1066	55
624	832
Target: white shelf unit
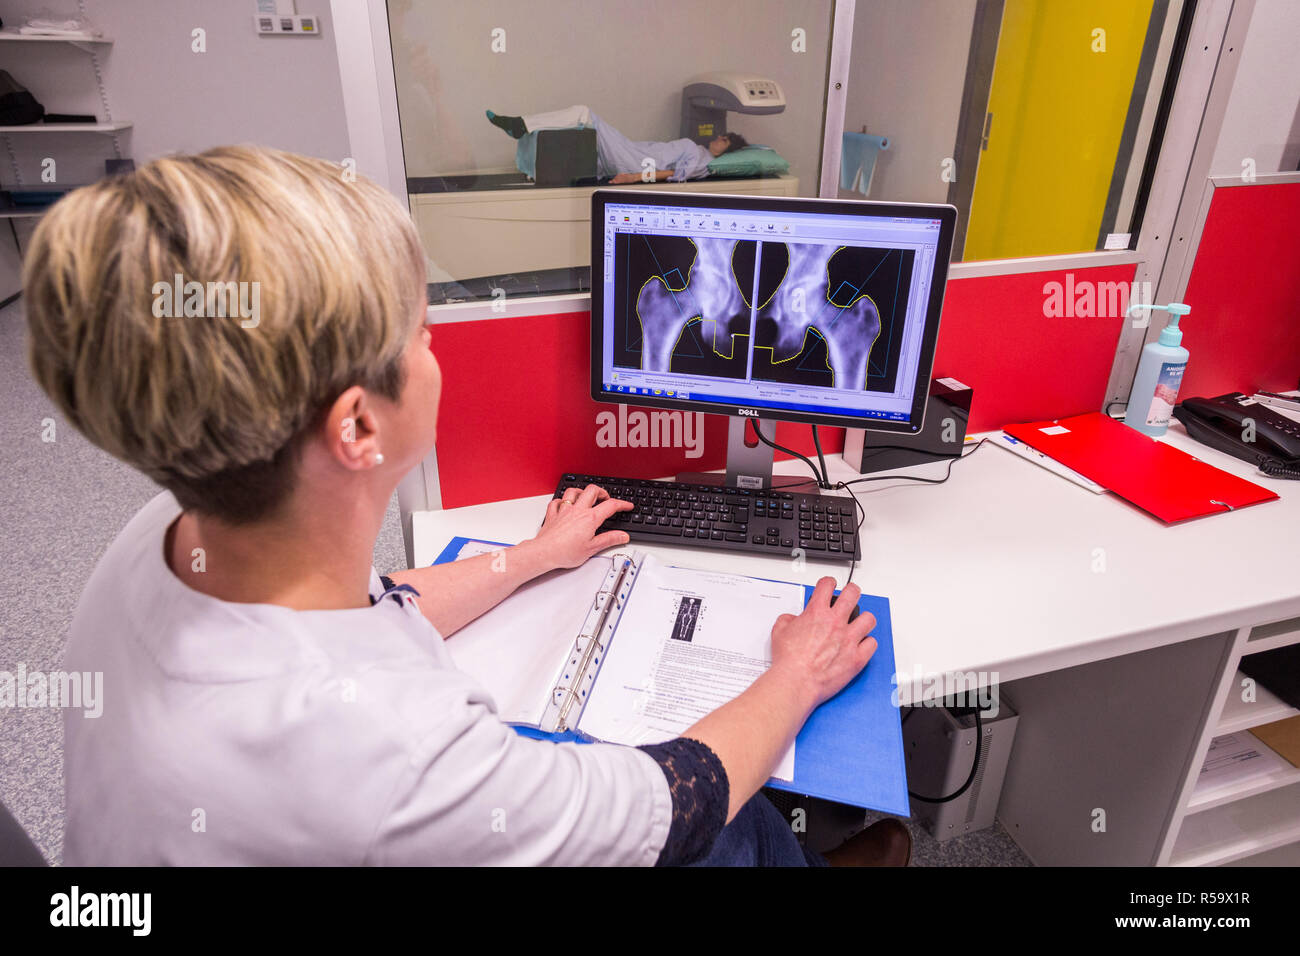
113	127
1270	772
1240	829
110	127
1256	810
87	44
1264	709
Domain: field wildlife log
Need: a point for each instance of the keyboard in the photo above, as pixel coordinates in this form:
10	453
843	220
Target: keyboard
730	519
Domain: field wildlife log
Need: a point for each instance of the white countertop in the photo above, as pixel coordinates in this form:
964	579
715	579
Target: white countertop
1009	569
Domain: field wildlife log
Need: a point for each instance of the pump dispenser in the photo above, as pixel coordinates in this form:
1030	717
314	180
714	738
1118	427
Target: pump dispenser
1159	375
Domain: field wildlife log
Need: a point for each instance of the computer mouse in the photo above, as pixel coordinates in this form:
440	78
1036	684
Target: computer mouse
853	615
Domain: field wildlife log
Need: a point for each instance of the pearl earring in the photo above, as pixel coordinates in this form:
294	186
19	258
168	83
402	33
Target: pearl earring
379	458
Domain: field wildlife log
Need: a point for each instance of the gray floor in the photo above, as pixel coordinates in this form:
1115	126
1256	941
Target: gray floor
65	501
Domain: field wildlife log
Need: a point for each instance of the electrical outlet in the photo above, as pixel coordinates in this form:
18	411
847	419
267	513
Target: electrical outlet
296	25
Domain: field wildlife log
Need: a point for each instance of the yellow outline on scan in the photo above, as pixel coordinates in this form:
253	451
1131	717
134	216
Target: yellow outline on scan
689	271
696	318
812	326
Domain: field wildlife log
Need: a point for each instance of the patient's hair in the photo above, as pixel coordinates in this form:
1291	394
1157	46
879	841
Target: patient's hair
216	408
736	140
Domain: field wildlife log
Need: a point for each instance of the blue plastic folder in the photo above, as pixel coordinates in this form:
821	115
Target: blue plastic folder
851	749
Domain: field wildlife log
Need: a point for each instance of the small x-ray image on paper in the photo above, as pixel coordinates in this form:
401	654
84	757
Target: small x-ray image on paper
688	615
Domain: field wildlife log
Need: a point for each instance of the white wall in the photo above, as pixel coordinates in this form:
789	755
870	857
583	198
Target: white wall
1262	121
905	82
626	59
276	91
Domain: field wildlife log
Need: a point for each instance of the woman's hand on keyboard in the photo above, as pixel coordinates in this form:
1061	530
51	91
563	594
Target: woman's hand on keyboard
568	534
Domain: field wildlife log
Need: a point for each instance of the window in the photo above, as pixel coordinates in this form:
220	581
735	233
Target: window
497	215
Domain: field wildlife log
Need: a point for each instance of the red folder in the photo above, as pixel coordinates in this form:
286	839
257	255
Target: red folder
1158	478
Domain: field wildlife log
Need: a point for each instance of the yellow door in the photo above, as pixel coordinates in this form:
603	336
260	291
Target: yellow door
1062	81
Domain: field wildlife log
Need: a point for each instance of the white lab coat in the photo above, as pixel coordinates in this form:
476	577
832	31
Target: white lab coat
255	734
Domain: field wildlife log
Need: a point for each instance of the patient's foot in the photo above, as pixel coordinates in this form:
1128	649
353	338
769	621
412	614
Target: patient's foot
885	843
514	125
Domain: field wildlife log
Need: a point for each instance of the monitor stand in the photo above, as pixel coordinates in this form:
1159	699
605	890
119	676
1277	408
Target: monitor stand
749	466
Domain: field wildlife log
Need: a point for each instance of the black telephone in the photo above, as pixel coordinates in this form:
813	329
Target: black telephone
1220	423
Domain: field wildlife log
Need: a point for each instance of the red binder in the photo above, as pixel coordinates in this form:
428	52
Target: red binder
1158	478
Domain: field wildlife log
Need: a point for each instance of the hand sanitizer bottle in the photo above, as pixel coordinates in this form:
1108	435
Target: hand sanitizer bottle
1159	374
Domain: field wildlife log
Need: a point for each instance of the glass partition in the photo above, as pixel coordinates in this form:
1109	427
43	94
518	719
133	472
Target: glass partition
621	92
1037	119
1040	120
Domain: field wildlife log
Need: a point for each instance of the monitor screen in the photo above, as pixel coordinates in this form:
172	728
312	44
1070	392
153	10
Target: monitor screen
812	310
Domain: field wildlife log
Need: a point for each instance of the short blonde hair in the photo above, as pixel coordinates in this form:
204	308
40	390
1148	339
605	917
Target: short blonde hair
210	407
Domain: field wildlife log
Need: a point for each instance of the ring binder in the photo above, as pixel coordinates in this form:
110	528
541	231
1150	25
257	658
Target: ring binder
850	751
565	697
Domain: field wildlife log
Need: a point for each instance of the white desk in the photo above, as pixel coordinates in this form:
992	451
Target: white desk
1115	636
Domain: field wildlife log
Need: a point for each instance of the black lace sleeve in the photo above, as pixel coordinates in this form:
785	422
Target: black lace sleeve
698	783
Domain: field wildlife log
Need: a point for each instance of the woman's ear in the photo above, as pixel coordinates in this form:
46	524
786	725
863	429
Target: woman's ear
351	431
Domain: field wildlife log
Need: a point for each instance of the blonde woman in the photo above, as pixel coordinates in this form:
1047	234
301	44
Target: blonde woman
246	327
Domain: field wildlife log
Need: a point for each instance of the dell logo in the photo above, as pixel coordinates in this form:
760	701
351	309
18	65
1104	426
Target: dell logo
747	411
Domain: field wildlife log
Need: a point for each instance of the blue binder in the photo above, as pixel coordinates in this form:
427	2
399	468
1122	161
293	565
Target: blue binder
851	749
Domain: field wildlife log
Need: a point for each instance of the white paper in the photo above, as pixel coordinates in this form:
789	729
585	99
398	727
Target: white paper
516	649
1235	757
688	642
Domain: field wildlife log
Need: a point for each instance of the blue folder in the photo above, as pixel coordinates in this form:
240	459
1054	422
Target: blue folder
851	749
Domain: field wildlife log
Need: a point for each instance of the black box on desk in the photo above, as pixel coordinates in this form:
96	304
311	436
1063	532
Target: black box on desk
565	156
947	413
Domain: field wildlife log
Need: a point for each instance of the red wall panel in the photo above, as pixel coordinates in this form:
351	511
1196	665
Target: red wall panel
516	411
1024	365
1243	331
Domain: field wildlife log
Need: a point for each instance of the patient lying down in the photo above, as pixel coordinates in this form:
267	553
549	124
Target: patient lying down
622	160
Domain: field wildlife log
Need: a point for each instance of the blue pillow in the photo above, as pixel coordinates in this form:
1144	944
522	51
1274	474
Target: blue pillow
750	161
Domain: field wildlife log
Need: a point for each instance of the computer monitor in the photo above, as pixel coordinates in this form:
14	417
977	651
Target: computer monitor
808	310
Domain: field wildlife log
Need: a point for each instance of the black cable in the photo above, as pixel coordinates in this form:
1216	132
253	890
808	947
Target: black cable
1110	405
817	443
788	451
798	482
919	451
1278	469
862	516
974	768
862	512
925	481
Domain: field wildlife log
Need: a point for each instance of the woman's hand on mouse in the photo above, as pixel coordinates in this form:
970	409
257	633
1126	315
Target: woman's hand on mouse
820	651
568	534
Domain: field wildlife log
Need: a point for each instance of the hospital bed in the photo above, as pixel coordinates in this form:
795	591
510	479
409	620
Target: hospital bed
497	223
502	226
